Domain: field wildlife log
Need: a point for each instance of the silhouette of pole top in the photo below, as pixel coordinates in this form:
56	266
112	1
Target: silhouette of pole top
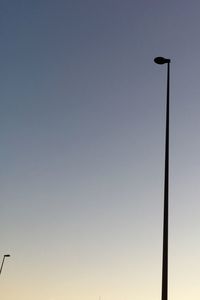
161	60
5	255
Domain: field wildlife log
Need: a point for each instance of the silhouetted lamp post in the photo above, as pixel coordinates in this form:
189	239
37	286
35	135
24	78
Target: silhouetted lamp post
6	255
162	61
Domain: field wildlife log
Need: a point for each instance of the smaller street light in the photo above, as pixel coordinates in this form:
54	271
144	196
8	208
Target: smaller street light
5	255
161	61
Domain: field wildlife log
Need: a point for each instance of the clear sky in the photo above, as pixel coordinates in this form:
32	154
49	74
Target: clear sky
82	109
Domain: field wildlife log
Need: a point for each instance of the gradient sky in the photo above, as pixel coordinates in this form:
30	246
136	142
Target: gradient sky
82	148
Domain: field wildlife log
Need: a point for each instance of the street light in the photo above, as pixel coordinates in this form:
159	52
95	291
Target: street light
6	255
161	61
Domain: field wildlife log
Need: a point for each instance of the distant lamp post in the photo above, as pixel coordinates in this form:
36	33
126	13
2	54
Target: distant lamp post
162	61
6	255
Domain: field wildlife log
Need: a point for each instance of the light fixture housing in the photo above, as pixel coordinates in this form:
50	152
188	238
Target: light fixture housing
161	60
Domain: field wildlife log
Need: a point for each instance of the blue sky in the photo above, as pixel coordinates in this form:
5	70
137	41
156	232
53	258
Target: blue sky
82	148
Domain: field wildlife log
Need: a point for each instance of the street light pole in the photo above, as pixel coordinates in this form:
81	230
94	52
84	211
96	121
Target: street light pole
6	255
161	61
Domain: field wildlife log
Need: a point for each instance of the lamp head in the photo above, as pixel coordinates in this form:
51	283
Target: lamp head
7	255
161	60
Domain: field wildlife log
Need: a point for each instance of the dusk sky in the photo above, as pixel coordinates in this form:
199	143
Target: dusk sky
82	121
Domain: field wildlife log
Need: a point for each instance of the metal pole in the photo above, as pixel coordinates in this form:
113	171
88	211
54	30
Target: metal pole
161	61
2	264
166	197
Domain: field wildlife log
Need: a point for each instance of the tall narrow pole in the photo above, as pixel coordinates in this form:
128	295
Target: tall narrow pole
161	60
2	264
166	198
